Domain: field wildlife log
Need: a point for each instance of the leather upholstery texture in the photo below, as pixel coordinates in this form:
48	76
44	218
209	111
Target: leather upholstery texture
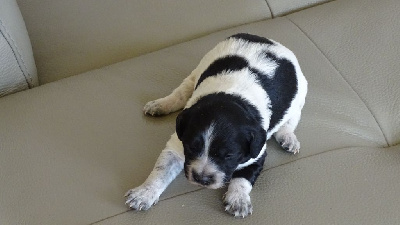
17	66
70	149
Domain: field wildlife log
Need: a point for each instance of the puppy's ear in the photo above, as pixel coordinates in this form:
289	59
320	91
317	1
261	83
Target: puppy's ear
257	139
181	122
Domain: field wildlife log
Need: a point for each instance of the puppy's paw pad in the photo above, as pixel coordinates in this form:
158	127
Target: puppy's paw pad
289	142
141	198
155	108
238	204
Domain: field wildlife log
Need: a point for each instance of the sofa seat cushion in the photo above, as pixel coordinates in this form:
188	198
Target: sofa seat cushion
70	149
343	186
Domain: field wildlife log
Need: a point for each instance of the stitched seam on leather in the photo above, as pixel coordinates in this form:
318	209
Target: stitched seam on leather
129	210
109	217
17	54
297	9
348	83
270	9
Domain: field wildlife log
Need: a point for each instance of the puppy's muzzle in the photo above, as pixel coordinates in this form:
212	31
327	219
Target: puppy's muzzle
203	179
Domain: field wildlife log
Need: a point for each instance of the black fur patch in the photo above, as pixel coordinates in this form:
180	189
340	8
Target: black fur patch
252	171
224	64
281	89
270	56
252	38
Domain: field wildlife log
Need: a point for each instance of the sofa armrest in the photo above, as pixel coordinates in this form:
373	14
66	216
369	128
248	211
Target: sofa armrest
17	65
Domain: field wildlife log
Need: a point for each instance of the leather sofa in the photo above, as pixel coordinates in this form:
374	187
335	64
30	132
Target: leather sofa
73	145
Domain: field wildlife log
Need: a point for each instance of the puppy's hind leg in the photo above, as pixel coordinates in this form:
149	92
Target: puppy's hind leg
173	102
285	135
169	164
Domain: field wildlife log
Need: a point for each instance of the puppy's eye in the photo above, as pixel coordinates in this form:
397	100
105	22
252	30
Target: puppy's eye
229	156
193	147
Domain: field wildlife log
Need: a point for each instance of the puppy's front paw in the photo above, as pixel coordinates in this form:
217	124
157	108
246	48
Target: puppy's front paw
141	198
289	142
155	108
238	204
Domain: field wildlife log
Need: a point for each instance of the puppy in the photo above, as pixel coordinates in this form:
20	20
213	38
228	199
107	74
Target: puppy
243	91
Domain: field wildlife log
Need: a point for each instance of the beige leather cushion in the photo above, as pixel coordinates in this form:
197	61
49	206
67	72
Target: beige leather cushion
71	37
345	186
17	66
70	149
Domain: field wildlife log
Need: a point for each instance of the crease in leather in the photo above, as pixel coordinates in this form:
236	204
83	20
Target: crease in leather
273	15
340	74
17	54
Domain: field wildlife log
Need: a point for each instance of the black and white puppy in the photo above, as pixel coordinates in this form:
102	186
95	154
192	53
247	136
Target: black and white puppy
243	91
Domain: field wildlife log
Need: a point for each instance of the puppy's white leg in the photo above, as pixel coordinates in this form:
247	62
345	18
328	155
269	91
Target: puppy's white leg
169	164
285	135
237	198
173	102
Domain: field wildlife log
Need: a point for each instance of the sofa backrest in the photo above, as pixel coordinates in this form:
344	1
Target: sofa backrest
71	37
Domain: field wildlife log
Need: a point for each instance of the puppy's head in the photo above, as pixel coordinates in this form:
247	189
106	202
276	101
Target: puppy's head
217	137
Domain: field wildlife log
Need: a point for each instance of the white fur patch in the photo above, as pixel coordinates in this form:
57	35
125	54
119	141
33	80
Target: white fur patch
208	138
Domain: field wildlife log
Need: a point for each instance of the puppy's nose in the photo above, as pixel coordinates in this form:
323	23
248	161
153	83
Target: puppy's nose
203	179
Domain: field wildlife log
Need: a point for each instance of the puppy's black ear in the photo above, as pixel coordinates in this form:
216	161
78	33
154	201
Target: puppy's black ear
257	139
181	122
